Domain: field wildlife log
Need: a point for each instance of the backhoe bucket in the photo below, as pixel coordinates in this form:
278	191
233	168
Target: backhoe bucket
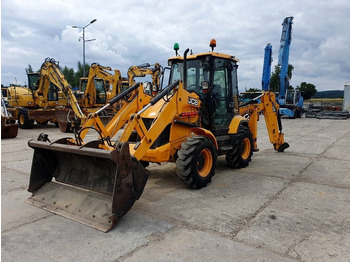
93	186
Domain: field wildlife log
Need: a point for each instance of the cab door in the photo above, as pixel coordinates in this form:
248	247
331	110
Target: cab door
223	89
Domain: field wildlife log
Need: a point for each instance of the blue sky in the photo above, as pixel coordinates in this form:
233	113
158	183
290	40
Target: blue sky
134	32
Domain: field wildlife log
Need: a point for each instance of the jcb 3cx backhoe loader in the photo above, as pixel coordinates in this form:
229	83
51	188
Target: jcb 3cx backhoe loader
190	122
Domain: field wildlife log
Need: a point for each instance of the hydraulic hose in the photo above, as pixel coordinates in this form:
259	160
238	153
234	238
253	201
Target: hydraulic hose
118	97
160	95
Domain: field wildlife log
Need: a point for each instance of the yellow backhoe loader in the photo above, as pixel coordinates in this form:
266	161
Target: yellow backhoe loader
190	122
46	91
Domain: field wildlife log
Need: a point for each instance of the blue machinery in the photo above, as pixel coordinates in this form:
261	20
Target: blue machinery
290	100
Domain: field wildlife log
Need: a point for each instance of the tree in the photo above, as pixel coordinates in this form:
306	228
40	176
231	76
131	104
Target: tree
251	93
29	69
274	82
307	90
70	76
79	73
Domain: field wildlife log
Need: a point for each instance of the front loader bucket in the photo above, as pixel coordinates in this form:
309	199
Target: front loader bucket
93	186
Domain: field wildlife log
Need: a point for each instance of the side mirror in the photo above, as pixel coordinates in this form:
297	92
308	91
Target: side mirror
205	86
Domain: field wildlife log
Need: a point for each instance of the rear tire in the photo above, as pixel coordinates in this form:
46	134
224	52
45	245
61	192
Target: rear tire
23	119
196	162
242	151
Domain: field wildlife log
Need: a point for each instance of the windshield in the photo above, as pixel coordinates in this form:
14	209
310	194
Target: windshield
197	72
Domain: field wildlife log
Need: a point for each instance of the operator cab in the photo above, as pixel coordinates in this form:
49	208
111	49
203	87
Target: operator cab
33	85
213	77
101	88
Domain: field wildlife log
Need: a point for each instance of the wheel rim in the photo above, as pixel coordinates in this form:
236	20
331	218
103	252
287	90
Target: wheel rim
204	162
21	119
246	148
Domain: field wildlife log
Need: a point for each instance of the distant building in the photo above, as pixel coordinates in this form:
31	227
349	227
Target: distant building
346	100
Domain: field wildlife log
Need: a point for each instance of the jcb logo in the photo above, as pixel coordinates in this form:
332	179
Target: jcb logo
192	101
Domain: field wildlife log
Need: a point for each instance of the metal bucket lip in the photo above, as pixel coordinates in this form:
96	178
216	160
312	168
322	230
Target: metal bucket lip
98	216
81	150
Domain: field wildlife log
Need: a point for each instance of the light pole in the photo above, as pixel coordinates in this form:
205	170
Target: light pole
74	26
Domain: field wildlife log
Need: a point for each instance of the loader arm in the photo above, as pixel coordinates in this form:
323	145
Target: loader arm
50	72
176	106
134	104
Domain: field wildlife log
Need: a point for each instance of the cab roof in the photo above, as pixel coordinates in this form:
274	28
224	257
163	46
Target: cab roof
214	54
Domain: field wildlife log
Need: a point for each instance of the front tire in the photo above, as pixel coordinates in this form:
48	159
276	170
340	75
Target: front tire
23	119
196	162
242	151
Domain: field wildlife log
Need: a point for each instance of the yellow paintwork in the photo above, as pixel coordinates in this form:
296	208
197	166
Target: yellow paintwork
208	162
97	71
269	107
137	102
184	106
167	113
235	123
215	54
135	71
49	73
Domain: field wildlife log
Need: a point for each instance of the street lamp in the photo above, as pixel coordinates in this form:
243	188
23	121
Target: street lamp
74	26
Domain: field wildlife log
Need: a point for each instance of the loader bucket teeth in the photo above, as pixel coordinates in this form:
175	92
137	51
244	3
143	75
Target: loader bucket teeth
93	186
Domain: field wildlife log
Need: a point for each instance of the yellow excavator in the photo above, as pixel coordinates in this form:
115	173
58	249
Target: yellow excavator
97	93
101	86
130	101
155	71
95	90
190	122
46	92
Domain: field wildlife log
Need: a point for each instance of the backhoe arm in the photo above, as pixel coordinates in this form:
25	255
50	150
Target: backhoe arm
269	107
98	71
143	70
50	72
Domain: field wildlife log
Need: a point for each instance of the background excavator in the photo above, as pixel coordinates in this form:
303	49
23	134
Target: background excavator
190	122
101	86
155	71
94	92
46	91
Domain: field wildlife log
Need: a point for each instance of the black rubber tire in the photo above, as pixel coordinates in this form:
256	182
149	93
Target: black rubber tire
196	162
23	119
298	113
242	151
